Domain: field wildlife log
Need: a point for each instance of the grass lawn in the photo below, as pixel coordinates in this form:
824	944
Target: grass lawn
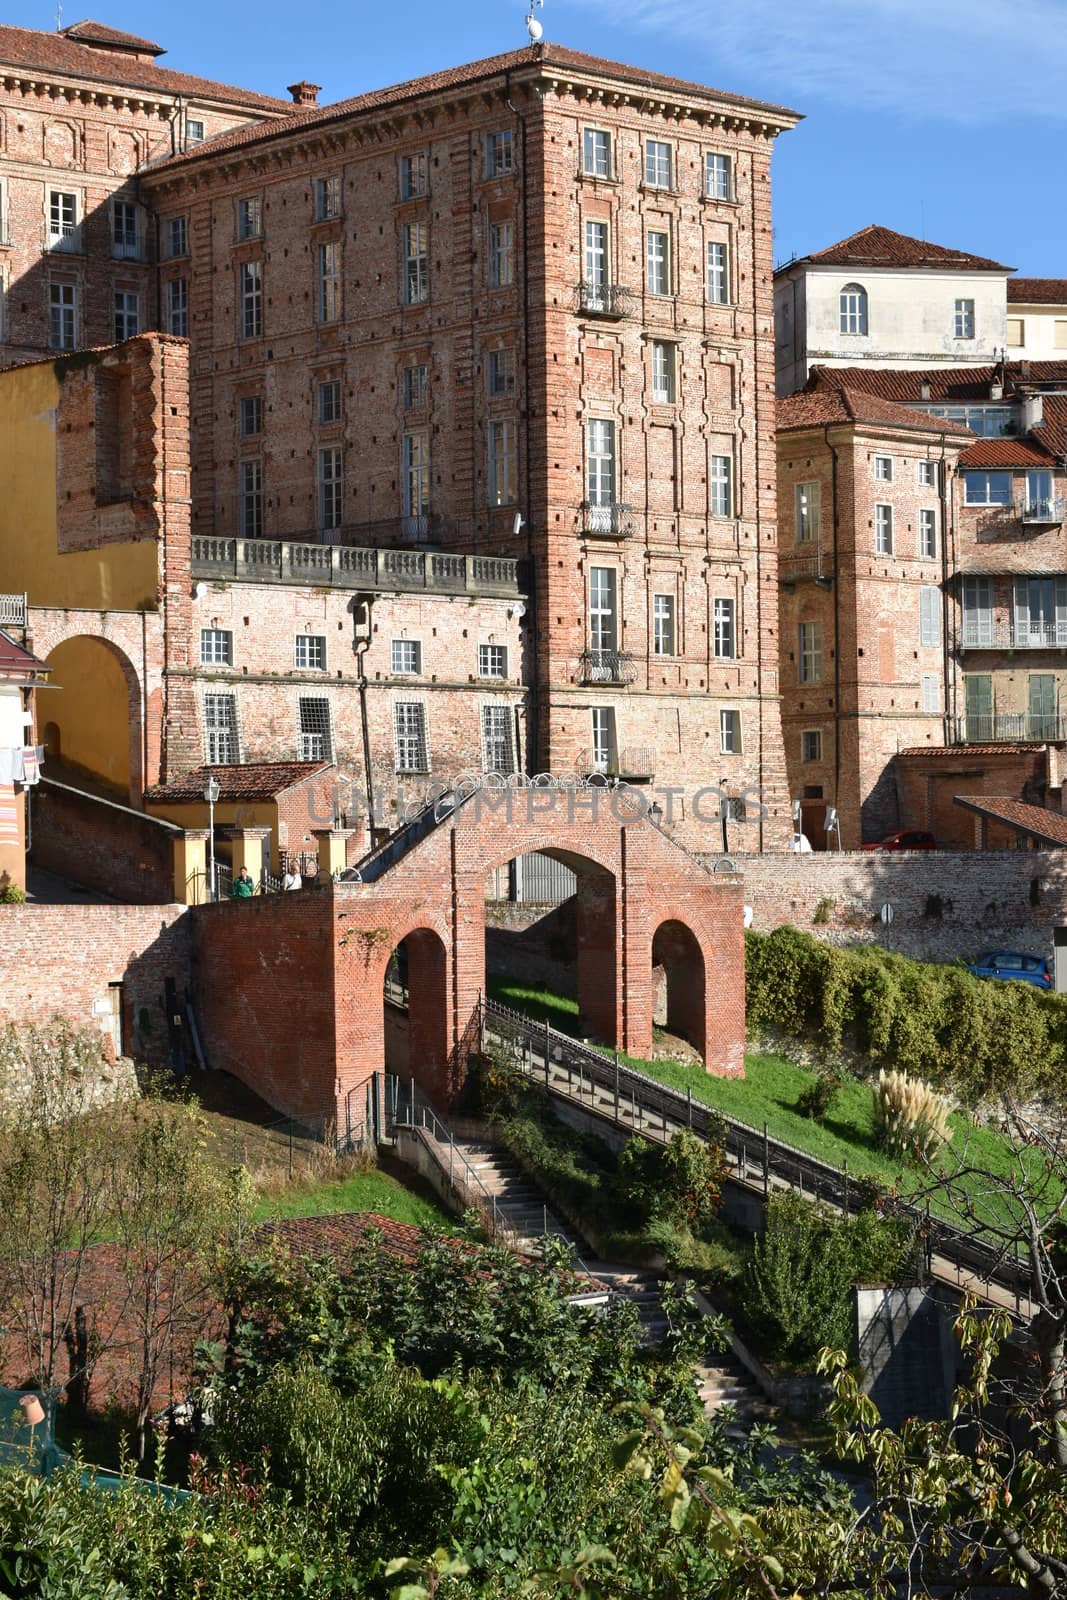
359	1191
768	1095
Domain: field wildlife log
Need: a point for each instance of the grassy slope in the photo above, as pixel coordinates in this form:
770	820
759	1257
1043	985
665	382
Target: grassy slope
359	1191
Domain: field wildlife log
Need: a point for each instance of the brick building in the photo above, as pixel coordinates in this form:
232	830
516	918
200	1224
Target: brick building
515	312
82	111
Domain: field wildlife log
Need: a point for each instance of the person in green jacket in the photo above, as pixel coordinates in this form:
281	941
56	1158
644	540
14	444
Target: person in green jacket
242	887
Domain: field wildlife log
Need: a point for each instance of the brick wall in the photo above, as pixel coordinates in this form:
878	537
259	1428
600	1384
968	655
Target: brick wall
101	845
60	959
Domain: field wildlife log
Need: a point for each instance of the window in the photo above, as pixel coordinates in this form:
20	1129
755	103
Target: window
1042	721
416	263
964	319
250	217
500	255
327	198
309	652
595	265
409	721
658	164
1040	612
596	153
124	241
883	530
809	512
987	488
725	645
604	749
330	488
178	307
1015	334
928	535
194	130
63	316
501	371
413	388
62	220
721	486
216	647
663	625
929	614
498	751
406	657
730	733
809	652
990	422
1039	501
250	415
220	730
883	469
853	307
414	176
718	177
503	475
176	236
663	384
603	615
127	314
329	282
250	509
927	474
314	729
718	275
499	154
930	693
600	463
811	745
492	661
978	706
657	256
415	457
977	611
251	300
329	401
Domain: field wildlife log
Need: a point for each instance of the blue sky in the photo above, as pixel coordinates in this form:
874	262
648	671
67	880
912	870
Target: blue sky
942	118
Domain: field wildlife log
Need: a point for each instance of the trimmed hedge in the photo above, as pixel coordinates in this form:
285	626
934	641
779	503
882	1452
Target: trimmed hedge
975	1036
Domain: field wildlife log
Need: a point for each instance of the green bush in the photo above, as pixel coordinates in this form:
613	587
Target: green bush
977	1037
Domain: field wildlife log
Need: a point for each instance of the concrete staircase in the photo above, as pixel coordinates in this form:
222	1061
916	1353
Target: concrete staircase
724	1380
519	1204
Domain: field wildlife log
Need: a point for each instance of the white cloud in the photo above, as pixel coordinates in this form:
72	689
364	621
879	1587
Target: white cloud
988	62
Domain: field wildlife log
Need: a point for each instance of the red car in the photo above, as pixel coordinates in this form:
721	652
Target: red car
907	839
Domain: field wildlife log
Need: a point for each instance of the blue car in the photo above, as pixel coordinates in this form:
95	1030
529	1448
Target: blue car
1013	964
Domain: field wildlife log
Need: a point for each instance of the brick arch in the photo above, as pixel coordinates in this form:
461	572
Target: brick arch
97	712
426	977
677	954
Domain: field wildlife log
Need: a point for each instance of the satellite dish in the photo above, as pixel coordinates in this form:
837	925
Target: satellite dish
534	29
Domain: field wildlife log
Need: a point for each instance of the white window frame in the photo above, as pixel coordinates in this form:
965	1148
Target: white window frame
250	294
127	314
125	230
250	217
658	261
971	477
664	630
600	454
596	259
250	499
63	316
195	131
415	466
963	319
222	742
216	647
416	247
63	219
411	737
414	175
596	153
328	197
309	652
492	661
177	307
405	658
927	534
718	176
414	386
883	529
718	273
177	236
501	255
659	164
499	153
808	504
316	735
730	741
498	738
503	462
603	609
664	373
328	401
929	614
882	467
809	652
604	742
926	474
721	486
724	625
330	479
329	297
853	311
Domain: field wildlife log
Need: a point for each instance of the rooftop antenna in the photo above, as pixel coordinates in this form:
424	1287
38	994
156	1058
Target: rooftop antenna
533	27
59	16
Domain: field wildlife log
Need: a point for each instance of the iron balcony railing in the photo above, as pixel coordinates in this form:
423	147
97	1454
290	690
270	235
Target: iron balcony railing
12	610
354	567
1009	728
612	521
807	568
604	299
1006	522
1049	511
633	763
985	634
606	666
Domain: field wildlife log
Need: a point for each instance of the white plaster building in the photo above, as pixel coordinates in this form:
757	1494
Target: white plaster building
1037	319
887	300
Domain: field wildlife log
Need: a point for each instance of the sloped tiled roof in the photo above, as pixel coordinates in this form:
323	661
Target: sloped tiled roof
813	408
961	751
992	454
546	55
1037	291
948	385
256	780
875	246
98	33
13	658
1048	826
35	51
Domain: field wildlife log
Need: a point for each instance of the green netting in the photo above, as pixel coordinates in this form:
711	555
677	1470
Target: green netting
34	1448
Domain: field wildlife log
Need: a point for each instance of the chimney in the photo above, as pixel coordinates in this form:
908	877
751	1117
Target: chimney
996	390
304	93
924	389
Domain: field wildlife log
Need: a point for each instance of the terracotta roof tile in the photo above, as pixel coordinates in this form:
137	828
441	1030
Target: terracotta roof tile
813	408
544	55
255	780
951	385
98	33
1037	291
41	52
960	751
993	453
1049	826
875	246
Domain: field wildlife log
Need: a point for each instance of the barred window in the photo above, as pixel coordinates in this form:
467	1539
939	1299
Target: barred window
314	729
412	753
220	730
310	652
498	751
216	647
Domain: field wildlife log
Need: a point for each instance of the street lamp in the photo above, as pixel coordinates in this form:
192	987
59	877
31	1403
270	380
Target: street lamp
211	794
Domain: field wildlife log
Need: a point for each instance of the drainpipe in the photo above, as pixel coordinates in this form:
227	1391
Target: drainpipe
837	615
756	410
533	670
948	524
360	645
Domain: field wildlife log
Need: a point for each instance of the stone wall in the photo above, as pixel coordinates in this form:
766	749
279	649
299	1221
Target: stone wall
101	845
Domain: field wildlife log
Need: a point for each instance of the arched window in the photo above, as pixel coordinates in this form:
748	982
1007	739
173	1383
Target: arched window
854	308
